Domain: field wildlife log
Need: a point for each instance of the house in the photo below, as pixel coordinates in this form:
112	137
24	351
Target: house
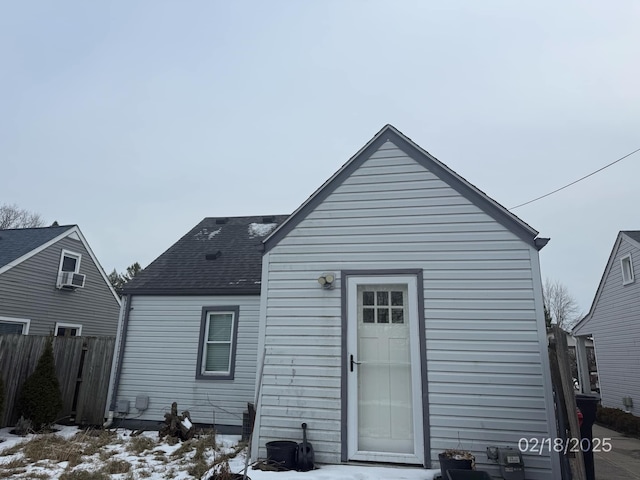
189	331
401	314
52	283
614	323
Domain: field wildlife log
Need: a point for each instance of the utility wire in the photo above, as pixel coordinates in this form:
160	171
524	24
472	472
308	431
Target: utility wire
575	181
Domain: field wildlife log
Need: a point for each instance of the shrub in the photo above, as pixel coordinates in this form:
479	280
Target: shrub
40	398
618	420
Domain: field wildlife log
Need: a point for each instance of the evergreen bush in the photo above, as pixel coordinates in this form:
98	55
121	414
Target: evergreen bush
40	399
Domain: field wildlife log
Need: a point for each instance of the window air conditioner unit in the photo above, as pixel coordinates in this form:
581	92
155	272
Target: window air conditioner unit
70	280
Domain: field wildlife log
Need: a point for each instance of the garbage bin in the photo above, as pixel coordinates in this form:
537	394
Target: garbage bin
588	404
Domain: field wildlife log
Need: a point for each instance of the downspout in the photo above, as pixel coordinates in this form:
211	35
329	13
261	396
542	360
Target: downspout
116	365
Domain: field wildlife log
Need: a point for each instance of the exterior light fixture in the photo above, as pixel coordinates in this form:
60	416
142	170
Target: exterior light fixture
327	280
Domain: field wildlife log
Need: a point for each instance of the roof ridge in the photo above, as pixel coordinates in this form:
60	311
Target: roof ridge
37	228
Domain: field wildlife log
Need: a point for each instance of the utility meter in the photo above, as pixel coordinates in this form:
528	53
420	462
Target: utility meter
511	464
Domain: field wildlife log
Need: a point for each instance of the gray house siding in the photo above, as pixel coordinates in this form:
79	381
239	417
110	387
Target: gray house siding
161	352
483	321
614	323
29	291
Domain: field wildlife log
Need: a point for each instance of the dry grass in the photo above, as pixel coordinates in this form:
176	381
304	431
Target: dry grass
139	444
171	473
11	473
80	474
53	447
15	463
39	457
116	466
13	450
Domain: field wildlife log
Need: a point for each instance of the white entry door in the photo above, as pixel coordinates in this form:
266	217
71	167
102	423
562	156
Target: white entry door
383	367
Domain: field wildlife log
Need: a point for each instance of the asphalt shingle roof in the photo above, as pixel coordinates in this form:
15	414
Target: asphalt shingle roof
634	234
15	243
217	256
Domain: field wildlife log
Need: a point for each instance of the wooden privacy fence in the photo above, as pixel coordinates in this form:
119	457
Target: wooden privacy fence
83	366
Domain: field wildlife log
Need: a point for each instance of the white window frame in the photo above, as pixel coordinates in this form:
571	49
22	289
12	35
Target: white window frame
207	312
624	262
26	323
69	253
68	325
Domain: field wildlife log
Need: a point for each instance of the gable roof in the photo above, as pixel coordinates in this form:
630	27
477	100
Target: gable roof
17	243
455	181
216	257
633	235
20	244
630	235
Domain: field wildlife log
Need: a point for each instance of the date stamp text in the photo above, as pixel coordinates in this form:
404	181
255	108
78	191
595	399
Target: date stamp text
559	445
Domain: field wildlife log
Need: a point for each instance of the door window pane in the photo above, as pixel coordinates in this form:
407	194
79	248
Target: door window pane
383	298
397	299
367	298
397	315
368	315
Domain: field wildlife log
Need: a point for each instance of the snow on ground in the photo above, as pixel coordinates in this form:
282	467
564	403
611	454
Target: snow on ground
71	453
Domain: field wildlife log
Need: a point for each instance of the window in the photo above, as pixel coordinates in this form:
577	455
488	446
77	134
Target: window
69	277
217	346
627	269
68	330
14	325
382	303
70	262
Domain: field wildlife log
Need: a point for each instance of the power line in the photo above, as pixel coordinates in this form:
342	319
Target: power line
575	181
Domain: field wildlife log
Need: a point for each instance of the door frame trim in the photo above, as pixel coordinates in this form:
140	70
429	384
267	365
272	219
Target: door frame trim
418	273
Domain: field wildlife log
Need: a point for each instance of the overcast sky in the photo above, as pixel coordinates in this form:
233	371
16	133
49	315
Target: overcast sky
135	120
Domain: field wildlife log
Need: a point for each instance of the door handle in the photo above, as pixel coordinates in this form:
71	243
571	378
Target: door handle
353	362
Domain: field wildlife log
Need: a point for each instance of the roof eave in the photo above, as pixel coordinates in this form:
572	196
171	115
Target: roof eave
192	291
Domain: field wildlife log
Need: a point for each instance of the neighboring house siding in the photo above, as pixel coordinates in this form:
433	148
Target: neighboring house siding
161	353
28	290
484	367
614	324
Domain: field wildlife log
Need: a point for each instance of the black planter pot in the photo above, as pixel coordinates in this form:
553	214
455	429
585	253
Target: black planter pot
282	453
447	463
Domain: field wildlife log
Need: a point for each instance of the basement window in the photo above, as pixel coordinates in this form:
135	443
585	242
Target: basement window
627	270
217	345
68	330
9	325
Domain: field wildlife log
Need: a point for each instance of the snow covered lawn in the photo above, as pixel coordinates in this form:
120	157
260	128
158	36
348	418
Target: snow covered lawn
75	454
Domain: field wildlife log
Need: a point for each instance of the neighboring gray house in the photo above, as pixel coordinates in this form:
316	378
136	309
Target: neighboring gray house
189	331
51	282
614	323
401	314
